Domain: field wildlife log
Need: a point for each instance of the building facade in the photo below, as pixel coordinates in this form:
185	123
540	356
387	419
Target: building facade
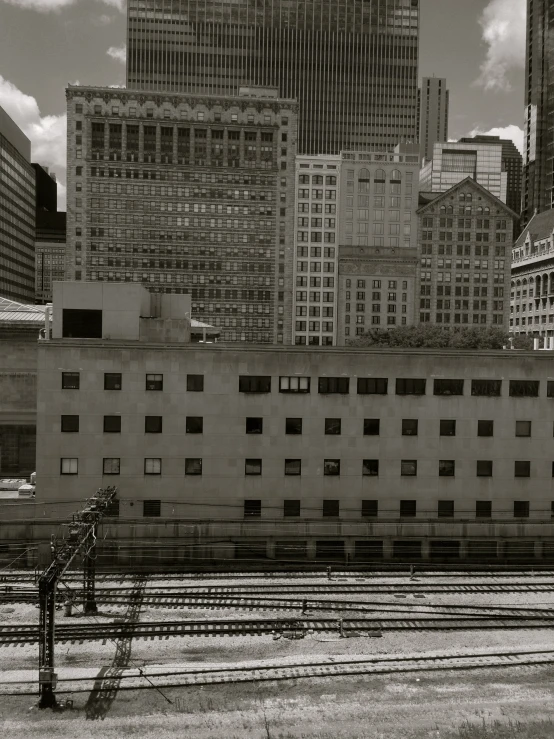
17	213
187	194
50	242
433	115
453	161
352	66
465	244
532	295
377	289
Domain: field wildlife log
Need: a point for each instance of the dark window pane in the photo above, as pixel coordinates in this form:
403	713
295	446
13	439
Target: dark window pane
521	509
110	466
194	425
254	384
524	388
483	509
195	383
408	467
408	508
486	388
522	469
70	423
523	428
252	466
154	382
447	428
446	468
293	426
331	467
112	380
370	508
448	387
484	468
372	386
370	467
291	508
332	426
372	426
193	466
293	467
409	386
445	509
254	425
550	389
252	508
151	508
112	511
81	323
152	424
331	508
112	424
330	385
409	427
70	380
485	428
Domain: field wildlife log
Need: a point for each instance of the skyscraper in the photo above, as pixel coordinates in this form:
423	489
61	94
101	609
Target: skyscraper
433	115
351	64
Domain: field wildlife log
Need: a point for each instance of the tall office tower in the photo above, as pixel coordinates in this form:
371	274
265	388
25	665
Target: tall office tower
351	64
454	161
17	213
512	164
538	143
187	194
433	115
50	235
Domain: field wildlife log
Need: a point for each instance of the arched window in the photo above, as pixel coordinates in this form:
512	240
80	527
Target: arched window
469	197
480	210
396	174
363	180
443	210
462	197
468	209
379	180
487	211
379	175
449	210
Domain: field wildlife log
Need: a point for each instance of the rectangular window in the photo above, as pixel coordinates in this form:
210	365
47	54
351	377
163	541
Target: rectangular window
193	466
254	384
447	428
524	388
291	508
445	509
372	386
252	466
446	468
70	423
331	467
151	508
408	467
154	382
293	426
370	508
331	508
521	509
195	383
372	426
112	424
409	427
254	425
550	389
485	428
110	466
293	466
294	384
484	468
69	466
194	425
252	508
486	388
522	469
329	385
448	387
483	509
408	508
332	426
523	428
370	468
409	386
112	380
152	424
152	466
71	380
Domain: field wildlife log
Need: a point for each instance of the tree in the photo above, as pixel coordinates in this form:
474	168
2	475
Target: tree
431	336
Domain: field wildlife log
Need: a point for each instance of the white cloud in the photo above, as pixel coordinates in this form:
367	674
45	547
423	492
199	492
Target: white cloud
515	133
48	134
47	6
118	52
503	24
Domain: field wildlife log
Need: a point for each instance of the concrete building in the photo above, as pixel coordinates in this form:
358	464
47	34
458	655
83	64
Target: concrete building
17	213
50	241
453	161
465	243
433	115
376	289
532	295
187	194
404	454
352	66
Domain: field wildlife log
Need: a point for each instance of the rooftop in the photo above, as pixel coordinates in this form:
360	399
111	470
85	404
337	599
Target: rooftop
21	314
540	226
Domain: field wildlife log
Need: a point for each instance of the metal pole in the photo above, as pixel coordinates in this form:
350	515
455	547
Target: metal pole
47	676
89	574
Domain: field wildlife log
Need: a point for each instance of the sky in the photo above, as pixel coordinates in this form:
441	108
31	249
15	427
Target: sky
477	45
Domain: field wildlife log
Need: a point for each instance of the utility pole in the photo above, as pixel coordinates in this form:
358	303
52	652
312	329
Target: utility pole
81	538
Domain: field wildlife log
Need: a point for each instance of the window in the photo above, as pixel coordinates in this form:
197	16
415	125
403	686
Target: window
112	380
523	428
81	323
372	386
294	384
154	382
521	509
254	384
70	380
332	426
448	387
447	428
151	508
445	509
110	466
293	426
370	508
254	425
485	428
69	466
408	386
293	466
112	510
409	427
331	508
370	468
446	468
193	466
484	468
408	467
152	424
489	388
70	423
372	426
152	466
291	508
483	509
522	469
329	385
195	383
112	424
331	467
408	508
252	466
252	508
524	388
550	389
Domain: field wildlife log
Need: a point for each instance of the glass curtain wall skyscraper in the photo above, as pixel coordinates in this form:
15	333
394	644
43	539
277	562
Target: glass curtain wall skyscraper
351	64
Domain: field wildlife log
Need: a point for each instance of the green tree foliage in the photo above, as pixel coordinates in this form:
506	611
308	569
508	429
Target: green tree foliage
431	336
